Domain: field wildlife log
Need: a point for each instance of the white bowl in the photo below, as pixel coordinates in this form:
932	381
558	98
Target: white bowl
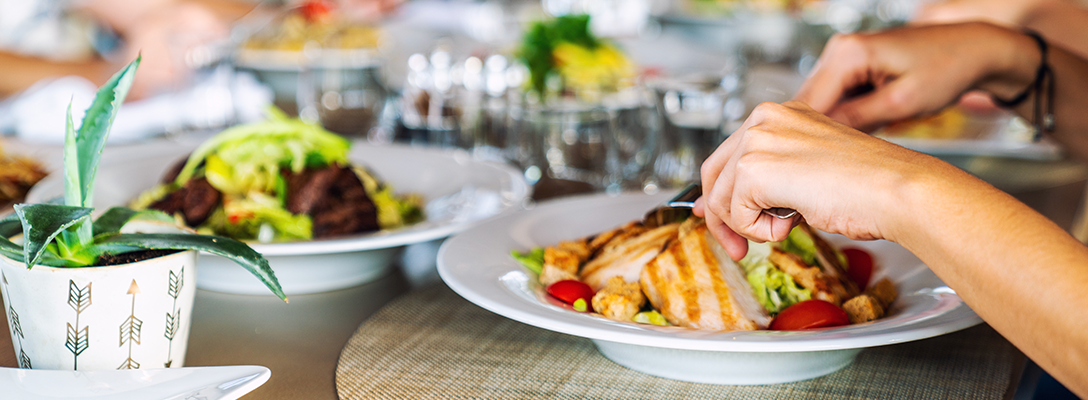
459	191
477	265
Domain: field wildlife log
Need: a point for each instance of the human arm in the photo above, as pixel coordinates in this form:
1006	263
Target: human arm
19	72
920	70
1060	21
1019	271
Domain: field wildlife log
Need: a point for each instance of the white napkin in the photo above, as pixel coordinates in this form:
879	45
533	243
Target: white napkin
219	97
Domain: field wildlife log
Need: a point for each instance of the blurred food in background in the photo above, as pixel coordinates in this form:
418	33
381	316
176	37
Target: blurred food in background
565	58
275	181
316	21
17	175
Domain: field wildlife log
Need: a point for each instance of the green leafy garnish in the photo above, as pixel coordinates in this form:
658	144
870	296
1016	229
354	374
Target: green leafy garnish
774	289
533	259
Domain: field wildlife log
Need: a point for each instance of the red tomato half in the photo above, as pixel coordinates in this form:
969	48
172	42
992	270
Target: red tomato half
569	291
809	314
316	10
860	266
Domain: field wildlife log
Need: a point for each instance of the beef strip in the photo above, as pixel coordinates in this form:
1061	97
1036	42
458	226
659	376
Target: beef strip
308	188
200	200
335	200
195	201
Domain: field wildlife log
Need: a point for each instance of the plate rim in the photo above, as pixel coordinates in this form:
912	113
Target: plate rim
597	328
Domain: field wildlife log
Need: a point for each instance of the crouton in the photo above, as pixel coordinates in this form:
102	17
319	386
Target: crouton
863	308
884	291
619	300
552	274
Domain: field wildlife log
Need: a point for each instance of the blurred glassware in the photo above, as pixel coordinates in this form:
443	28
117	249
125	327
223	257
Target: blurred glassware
637	131
566	141
342	90
700	111
271	42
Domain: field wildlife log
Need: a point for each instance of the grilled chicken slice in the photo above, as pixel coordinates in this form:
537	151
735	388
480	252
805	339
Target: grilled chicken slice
823	286
829	261
694	283
626	257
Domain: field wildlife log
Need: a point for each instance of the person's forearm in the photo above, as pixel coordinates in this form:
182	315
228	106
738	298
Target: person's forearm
1018	57
1062	22
20	71
1019	271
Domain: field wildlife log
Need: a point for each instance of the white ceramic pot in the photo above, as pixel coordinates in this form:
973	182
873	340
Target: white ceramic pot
128	316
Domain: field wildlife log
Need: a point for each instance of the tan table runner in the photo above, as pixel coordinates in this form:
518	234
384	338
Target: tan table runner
431	343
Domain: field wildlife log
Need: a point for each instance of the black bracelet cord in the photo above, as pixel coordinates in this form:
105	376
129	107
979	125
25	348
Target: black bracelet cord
1044	80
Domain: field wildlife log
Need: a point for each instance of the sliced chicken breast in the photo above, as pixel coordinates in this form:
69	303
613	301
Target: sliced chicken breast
694	283
626	258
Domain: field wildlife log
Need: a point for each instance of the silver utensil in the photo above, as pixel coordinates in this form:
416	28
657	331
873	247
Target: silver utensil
686	199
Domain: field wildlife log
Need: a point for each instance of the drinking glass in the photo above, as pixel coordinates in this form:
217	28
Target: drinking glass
566	141
343	90
699	112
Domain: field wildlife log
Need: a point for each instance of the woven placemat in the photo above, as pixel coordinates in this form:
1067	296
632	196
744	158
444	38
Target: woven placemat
431	343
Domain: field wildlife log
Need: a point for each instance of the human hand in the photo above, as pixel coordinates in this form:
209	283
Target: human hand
917	70
841	180
163	37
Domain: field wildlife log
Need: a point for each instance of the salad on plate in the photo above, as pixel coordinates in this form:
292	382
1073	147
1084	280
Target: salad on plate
279	180
668	270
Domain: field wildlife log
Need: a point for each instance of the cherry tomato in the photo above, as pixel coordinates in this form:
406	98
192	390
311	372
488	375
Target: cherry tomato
860	266
569	291
316	10
809	314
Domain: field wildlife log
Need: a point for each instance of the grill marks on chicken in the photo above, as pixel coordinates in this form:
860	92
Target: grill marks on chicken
693	286
822	285
626	253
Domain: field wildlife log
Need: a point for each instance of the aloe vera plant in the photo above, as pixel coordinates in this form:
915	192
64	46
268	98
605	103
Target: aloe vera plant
64	235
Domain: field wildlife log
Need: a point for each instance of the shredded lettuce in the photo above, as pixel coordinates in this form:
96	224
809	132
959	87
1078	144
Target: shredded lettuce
774	289
393	211
800	243
249	157
242	218
533	259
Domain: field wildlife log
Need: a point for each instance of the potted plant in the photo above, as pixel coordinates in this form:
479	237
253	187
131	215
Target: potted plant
115	292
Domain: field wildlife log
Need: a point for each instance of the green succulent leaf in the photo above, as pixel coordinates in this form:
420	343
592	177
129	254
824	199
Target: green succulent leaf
232	249
95	128
10	226
42	223
112	220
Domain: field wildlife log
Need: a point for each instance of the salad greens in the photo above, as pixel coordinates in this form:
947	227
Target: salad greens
774	289
801	244
245	164
64	235
564	54
533	259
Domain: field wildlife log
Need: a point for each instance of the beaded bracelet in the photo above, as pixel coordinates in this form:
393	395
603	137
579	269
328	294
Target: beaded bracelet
1043	121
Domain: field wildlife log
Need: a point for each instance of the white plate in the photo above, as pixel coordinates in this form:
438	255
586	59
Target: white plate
477	265
459	190
208	383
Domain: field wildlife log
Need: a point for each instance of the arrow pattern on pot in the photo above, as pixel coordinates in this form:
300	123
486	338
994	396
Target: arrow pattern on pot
173	319
16	327
130	329
78	339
